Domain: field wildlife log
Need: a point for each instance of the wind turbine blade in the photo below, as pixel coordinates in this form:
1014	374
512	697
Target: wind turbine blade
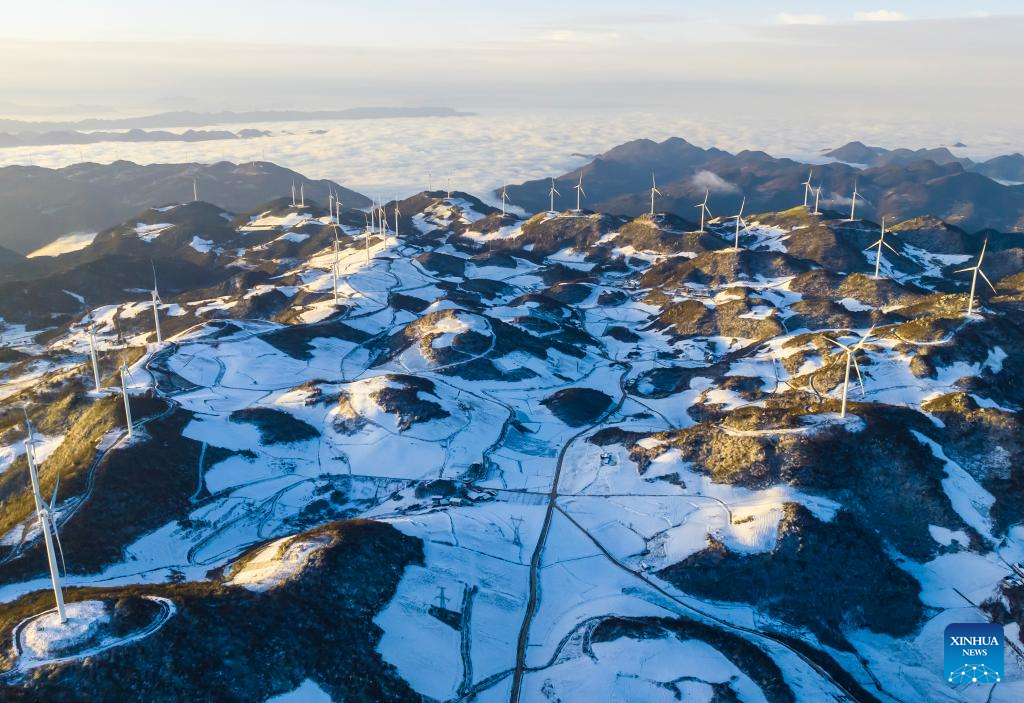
53	499
56	536
865	338
969	268
890	248
856	367
837	343
987	281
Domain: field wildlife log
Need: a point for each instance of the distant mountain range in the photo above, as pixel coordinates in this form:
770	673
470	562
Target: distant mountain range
1009	167
189	118
619	181
40	205
133	135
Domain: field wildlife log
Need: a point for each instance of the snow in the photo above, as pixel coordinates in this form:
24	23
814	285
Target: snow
307	692
65	245
203	246
662	670
45	636
276	563
148	233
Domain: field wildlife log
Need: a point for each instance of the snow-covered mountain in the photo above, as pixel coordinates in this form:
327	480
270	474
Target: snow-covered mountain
577	457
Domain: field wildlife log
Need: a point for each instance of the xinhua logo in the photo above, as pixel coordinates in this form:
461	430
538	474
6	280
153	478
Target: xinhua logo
973	653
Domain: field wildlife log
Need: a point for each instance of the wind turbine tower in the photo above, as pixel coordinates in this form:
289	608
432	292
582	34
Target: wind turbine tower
704	208
853	201
46	526
504	201
124	393
552	193
654	191
976	269
293	192
851	360
156	307
334	266
95	364
879	244
817	197
579	192
195	190
302	195
740	222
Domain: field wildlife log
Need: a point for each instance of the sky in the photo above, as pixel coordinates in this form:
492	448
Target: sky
937	59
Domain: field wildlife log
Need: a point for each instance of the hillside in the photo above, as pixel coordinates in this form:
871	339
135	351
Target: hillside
578	456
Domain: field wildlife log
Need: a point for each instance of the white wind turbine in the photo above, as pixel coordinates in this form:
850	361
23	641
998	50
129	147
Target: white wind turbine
156	307
853	200
46	525
851	359
334	266
195	190
366	237
807	186
976	269
95	363
739	222
397	214
383	219
704	208
302	195
125	375
879	244
579	192
330	203
552	193
817	197
654	190
504	200
293	192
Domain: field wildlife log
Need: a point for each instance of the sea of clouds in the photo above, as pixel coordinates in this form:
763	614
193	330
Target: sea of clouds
393	157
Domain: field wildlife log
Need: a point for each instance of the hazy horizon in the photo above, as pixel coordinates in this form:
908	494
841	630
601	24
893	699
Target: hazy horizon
904	60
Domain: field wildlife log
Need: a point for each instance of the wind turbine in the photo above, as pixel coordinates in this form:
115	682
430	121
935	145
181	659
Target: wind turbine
704	208
817	197
95	364
881	243
807	186
654	190
124	392
383	219
579	192
397	213
976	269
367	238
293	192
739	221
448	187
851	358
195	190
552	193
504	200
46	525
853	200
330	203
156	308
334	266
302	195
